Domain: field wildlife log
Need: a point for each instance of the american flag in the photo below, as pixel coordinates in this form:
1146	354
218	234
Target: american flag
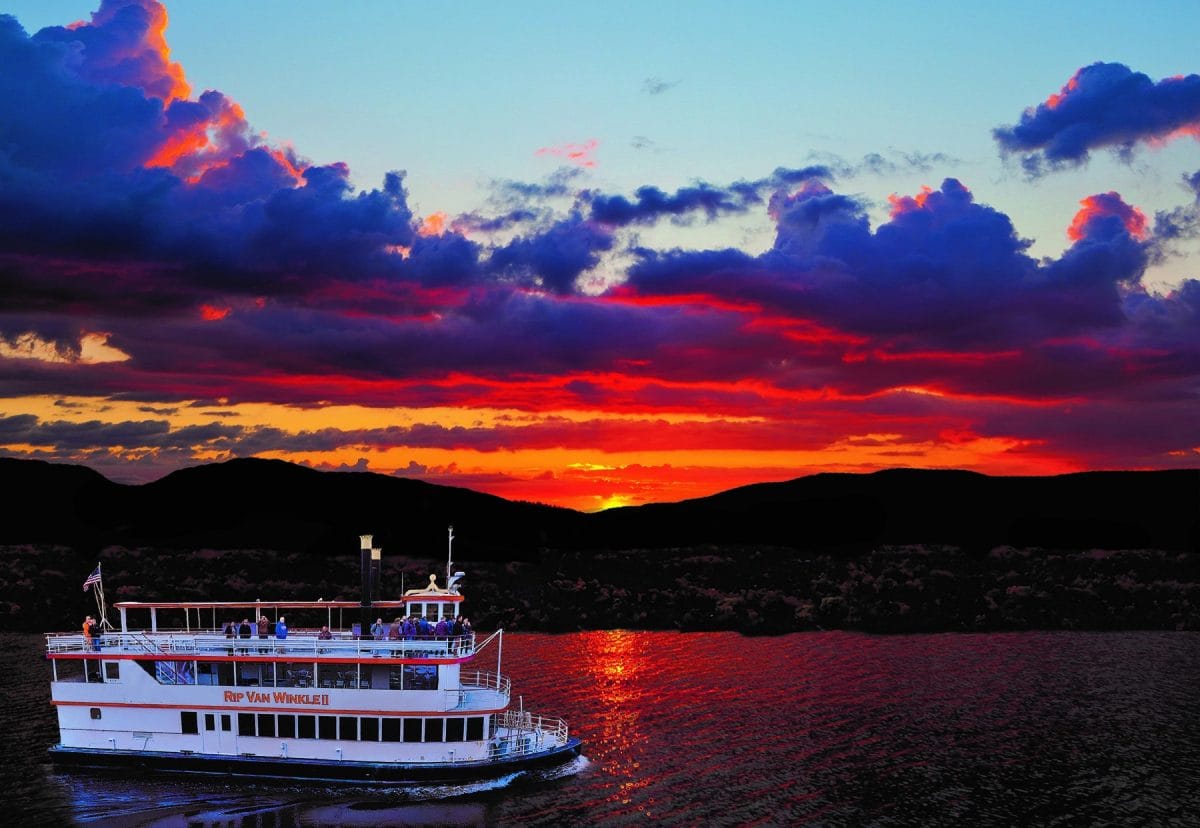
94	578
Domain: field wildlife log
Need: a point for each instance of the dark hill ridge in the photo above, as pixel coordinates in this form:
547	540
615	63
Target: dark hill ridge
1104	510
251	503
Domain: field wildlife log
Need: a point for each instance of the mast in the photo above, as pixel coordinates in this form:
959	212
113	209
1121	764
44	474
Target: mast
449	553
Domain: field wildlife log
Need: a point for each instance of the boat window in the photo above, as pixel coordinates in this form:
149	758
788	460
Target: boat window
412	730
475	728
187	722
369	729
68	669
287	726
327	727
433	730
266	724
296	675
112	671
420	677
348	728
454	730
170	672
391	730
306	727
225	722
210	721
215	672
254	674
95	711
246	724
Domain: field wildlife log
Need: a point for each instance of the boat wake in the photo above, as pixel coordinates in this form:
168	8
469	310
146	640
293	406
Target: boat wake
195	802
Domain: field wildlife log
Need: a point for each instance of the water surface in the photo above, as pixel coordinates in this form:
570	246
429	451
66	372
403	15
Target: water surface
714	728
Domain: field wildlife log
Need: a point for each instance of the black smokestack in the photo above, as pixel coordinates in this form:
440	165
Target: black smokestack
370	582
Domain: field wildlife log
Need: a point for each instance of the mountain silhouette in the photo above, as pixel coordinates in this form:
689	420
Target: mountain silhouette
272	504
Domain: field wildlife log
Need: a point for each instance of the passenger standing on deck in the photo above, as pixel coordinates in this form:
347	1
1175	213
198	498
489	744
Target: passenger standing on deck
394	630
379	630
264	627
281	628
244	631
89	625
231	630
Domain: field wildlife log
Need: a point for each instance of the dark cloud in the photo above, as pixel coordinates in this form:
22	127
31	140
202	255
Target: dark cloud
650	203
555	258
944	271
1105	105
888	162
657	86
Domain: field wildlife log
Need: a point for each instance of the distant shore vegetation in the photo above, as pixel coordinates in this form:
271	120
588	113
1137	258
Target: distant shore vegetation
755	590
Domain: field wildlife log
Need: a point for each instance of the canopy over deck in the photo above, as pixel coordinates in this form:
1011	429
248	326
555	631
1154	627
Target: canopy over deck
274	607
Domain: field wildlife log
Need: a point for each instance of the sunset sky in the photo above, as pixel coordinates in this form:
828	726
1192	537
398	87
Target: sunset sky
600	254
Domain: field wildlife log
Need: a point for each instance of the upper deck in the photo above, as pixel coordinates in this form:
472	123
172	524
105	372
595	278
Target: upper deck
300	645
327	631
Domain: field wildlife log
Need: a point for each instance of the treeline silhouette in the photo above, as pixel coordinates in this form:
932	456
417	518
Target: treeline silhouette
752	589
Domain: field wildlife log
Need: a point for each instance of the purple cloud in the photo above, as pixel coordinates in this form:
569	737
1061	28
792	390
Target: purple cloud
1105	105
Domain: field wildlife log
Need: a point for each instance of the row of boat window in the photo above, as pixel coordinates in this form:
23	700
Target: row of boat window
305	674
344	728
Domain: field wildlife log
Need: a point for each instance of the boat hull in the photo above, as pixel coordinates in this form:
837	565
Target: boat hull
371	773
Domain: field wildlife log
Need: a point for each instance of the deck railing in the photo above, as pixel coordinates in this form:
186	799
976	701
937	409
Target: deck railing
526	733
479	689
301	646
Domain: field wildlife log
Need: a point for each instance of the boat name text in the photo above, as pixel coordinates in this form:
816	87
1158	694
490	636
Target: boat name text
278	697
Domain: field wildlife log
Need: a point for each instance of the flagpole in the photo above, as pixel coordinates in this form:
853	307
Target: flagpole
101	605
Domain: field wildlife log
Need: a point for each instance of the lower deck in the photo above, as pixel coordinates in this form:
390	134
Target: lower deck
411	739
389	773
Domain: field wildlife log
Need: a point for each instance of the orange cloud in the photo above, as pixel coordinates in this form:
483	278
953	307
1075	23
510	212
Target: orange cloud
1055	99
907	204
578	154
1107	204
433	225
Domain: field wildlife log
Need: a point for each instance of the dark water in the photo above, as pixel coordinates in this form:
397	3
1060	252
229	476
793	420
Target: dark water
716	729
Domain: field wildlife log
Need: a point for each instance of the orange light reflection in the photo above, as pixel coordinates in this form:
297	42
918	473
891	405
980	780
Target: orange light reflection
616	661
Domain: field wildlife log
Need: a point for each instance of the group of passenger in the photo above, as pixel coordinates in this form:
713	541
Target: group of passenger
414	627
263	626
418	627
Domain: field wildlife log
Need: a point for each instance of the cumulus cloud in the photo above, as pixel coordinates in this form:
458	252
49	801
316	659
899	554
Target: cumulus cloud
1104	105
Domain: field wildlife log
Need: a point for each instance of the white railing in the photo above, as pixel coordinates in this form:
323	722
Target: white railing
480	680
479	690
526	733
304	645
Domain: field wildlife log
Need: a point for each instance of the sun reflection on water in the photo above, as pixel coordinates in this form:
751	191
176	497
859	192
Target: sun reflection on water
617	662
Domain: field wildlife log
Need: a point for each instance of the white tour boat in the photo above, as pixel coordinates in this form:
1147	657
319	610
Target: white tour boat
179	695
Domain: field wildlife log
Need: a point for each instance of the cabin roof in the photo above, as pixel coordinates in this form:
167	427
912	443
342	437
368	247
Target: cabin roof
407	599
